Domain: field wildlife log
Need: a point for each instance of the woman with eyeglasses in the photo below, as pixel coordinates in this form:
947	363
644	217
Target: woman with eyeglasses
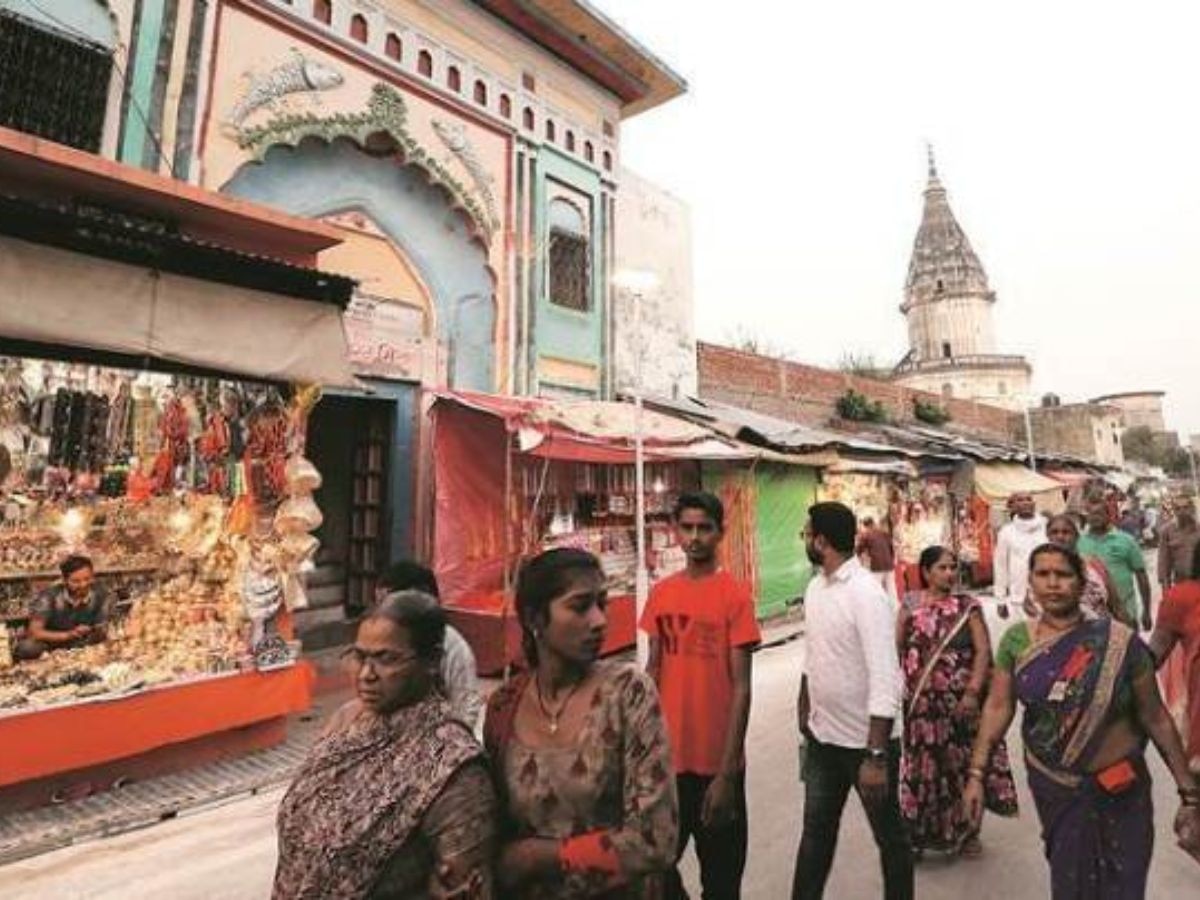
580	750
395	799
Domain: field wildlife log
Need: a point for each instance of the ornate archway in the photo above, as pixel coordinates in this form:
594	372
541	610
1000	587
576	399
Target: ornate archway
327	175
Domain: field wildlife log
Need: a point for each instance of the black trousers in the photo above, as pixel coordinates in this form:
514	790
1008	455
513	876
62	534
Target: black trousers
829	774
721	850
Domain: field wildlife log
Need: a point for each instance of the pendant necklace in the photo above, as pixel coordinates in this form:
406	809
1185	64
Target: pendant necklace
553	717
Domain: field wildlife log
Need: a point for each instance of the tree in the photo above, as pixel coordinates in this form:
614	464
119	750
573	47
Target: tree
743	338
1139	444
1143	445
864	365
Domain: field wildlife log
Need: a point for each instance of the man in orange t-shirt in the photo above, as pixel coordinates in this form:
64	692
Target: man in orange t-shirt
702	631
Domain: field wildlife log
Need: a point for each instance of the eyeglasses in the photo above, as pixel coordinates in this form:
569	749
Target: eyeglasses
380	660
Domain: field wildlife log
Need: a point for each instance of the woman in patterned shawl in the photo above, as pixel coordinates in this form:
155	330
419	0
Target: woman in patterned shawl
395	800
945	655
1091	700
580	750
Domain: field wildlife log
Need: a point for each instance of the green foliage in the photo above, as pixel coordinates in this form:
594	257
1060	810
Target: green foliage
855	407
863	365
929	412
1143	445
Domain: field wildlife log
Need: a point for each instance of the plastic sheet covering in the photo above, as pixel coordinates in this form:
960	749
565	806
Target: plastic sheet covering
469	502
999	481
734	484
784	495
58	297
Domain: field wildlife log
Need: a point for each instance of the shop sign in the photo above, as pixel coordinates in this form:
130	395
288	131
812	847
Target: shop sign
385	340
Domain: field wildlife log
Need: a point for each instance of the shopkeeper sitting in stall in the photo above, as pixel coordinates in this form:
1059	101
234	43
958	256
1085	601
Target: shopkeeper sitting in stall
71	614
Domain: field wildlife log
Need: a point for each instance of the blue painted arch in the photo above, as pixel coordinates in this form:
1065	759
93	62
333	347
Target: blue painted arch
318	178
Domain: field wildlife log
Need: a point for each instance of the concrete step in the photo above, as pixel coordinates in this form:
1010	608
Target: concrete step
326	596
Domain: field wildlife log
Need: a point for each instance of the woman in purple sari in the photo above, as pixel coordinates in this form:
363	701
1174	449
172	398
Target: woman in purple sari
1090	700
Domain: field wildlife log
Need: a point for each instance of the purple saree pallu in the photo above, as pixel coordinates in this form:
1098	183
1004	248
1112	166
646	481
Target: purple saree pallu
1098	828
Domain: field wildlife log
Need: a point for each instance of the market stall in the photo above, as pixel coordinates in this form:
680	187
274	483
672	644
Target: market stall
766	503
192	501
149	424
515	476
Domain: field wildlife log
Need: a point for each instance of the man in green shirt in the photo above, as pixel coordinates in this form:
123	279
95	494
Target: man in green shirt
1122	557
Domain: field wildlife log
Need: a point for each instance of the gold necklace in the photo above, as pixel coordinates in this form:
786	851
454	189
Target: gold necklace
553	717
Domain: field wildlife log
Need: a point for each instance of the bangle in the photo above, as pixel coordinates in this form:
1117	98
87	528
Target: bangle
1190	796
975	772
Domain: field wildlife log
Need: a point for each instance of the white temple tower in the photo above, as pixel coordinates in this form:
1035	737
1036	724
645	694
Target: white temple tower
948	304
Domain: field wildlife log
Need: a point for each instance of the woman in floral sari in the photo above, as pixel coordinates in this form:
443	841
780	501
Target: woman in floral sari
945	655
394	800
580	750
1091	699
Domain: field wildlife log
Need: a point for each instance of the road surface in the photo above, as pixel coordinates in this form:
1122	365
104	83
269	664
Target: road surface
228	852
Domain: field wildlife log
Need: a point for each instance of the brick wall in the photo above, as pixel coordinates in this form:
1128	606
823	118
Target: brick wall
809	394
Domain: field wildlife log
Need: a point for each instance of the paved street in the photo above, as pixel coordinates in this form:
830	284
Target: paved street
227	853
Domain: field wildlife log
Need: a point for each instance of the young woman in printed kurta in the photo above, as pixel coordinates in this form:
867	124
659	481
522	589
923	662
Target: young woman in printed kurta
945	656
580	750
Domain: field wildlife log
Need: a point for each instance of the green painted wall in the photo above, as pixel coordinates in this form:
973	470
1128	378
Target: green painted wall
783	495
139	83
558	332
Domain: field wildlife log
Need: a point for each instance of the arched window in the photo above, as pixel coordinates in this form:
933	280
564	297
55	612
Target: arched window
527	120
392	48
550	130
358	28
454	79
946	352
323	11
948	391
589	151
505	106
570	142
607	161
425	63
570	257
1002	388
481	93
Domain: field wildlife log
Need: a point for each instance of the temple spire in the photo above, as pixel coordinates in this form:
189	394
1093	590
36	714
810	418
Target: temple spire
934	181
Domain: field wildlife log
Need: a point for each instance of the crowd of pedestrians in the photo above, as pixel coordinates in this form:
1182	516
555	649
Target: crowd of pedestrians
593	777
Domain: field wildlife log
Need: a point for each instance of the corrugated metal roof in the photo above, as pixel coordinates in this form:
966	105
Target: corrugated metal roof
780	434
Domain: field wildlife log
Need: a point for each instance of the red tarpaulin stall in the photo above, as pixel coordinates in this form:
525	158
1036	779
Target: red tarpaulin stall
513	476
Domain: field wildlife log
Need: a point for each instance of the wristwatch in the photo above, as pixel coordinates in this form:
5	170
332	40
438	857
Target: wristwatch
876	755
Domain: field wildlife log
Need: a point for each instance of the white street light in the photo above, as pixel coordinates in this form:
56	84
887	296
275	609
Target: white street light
637	283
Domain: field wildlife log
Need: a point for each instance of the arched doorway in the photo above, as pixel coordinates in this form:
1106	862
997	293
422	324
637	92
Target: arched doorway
319	178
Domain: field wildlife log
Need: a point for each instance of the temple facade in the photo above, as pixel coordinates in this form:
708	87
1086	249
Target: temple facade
948	305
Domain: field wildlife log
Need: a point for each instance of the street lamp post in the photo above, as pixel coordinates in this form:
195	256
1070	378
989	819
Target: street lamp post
637	283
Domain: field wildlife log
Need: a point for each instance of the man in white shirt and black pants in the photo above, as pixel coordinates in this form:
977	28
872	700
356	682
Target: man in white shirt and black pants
849	708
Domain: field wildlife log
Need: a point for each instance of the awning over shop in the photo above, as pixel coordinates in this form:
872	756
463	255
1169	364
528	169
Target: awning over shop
900	467
595	431
999	481
58	297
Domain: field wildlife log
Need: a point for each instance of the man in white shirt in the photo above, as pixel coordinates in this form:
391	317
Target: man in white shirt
1014	544
459	677
849	708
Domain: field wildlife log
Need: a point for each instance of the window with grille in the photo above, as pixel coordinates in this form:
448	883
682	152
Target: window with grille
36	98
569	270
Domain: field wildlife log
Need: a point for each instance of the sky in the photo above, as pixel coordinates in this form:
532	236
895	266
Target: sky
1066	133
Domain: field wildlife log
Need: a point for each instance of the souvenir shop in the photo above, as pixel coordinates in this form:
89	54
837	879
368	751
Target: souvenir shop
150	422
515	476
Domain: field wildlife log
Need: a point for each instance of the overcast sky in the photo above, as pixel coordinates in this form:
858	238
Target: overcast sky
1068	136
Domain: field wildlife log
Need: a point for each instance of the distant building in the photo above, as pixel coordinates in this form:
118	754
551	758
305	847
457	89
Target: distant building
1142	409
1086	430
654	235
948	304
